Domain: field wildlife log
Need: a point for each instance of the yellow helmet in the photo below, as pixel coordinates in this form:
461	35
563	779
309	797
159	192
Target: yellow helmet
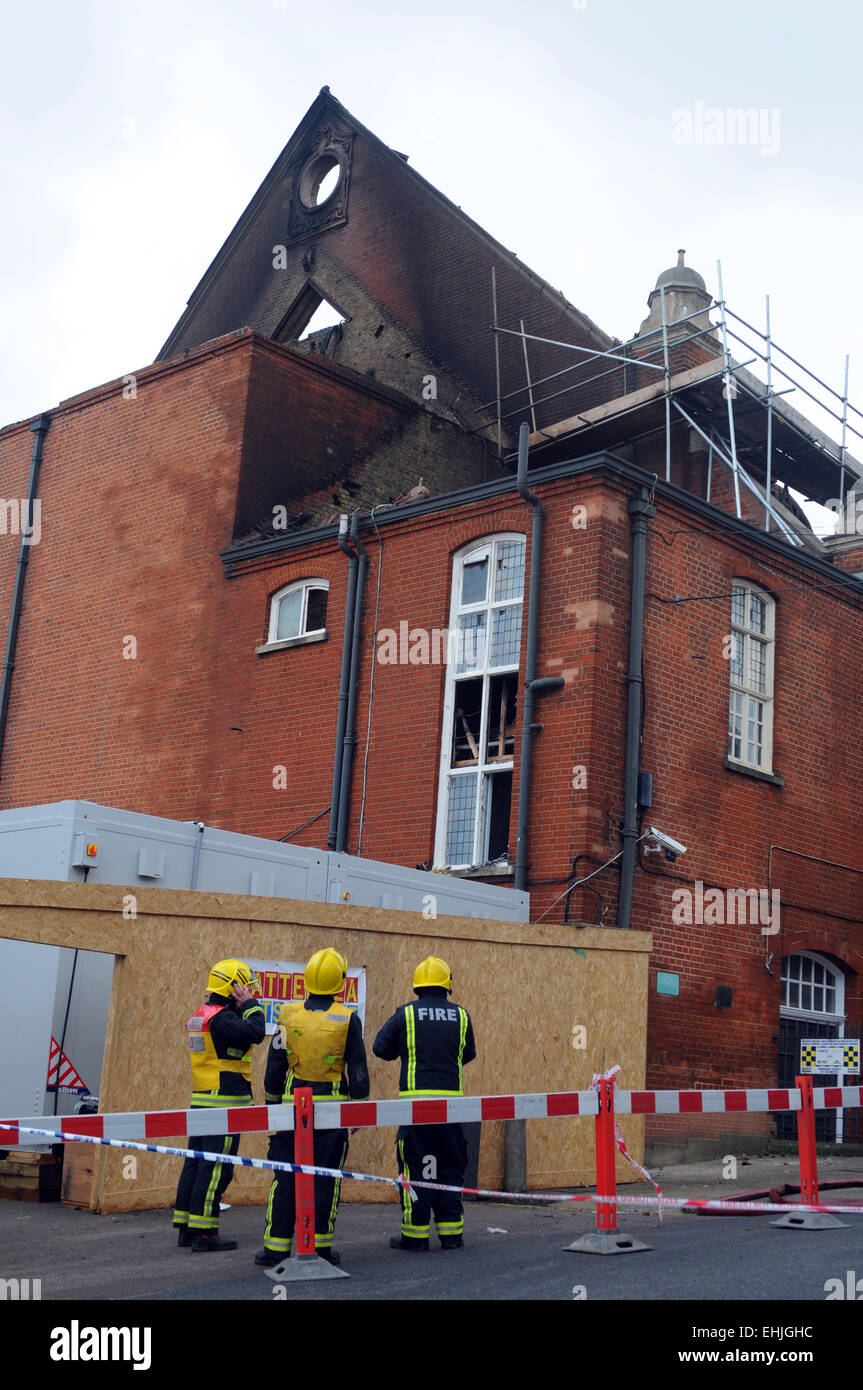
227	973
433	971
326	971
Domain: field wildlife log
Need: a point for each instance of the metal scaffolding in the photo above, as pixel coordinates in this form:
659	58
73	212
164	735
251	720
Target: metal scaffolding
738	384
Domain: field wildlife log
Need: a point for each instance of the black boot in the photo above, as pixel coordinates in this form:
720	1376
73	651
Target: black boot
211	1240
407	1243
184	1235
330	1256
451	1242
271	1257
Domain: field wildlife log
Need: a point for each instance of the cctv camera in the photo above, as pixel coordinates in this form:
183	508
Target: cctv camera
664	842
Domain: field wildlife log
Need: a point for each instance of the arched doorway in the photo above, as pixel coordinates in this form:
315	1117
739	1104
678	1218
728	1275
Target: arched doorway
812	1006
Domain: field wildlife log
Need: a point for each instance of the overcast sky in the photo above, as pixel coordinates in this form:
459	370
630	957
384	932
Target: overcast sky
591	137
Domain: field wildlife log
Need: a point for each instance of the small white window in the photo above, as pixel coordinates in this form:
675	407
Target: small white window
750	713
299	610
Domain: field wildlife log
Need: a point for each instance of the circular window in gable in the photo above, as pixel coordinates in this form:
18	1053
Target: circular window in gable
319	179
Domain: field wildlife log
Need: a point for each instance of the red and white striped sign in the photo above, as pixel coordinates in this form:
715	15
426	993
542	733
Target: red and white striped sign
62	1076
249	1119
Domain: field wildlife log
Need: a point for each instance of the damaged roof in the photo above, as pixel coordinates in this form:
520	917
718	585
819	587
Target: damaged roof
386	245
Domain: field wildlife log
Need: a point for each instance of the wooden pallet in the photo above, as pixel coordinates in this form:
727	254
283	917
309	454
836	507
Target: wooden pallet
29	1177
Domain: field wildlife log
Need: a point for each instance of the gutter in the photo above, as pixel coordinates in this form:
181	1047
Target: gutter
344	679
40	429
349	735
641	508
532	686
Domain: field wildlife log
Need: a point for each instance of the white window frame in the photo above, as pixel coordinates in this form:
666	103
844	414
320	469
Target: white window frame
741	691
305	586
487	546
837	1015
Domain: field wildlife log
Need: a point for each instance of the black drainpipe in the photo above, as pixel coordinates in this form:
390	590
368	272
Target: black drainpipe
350	733
344	680
640	509
40	429
532	686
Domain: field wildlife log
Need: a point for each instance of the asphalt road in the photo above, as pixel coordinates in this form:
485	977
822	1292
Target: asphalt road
731	1286
511	1253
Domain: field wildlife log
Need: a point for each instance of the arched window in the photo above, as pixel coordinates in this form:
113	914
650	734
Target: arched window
812	987
750	712
480	704
298	612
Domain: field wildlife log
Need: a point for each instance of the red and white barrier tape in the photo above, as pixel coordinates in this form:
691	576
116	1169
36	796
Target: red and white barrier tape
362	1114
682	1203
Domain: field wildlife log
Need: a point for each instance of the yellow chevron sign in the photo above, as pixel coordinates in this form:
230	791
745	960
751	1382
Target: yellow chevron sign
830	1056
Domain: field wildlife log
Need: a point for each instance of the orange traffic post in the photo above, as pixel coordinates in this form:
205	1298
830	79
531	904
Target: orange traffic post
304	1183
806	1142
606	1184
807	1220
606	1239
305	1263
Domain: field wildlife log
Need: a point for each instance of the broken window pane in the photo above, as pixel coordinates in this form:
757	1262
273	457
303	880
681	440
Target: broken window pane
316	614
500	734
466	722
498	800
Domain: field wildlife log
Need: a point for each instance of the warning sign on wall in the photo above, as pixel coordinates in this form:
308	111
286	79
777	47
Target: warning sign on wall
283	980
829	1056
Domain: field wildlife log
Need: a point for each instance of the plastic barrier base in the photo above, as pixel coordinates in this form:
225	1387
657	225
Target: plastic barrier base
607	1243
808	1221
297	1267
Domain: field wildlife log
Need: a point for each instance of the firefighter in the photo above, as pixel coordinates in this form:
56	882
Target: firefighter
434	1040
319	1043
221	1034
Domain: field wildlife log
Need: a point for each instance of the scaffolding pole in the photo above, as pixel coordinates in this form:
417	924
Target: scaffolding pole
496	355
842	449
576	347
740	472
726	360
769	416
527	374
594	352
785	353
667	369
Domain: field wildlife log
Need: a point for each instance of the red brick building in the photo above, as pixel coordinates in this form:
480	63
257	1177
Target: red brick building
177	637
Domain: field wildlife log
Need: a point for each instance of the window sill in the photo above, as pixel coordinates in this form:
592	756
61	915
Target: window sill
774	777
303	641
488	871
